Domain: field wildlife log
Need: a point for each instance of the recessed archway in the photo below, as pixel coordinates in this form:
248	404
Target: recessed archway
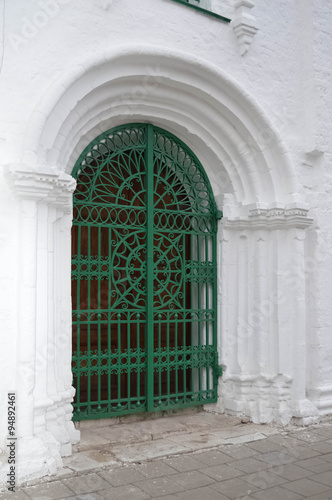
252	179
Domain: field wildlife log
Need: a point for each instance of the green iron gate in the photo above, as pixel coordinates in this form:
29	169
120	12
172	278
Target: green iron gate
143	276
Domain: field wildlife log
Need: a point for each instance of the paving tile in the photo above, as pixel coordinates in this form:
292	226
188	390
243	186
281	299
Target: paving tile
277	493
327	495
82	462
246	438
159	486
184	463
234	488
88	483
302	452
263	479
290	472
306	487
87	496
327	456
62	473
238	451
168	497
325	478
264	446
221	472
48	491
192	479
316	465
209	420
193	422
17	495
309	436
122	434
122	475
325	431
275	458
249	465
286	441
90	439
215	420
127	492
198	440
160	427
156	468
268	430
93	424
102	456
143	451
213	457
201	493
322	447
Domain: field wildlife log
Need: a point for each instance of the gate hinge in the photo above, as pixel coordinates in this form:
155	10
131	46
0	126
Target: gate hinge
219	214
219	371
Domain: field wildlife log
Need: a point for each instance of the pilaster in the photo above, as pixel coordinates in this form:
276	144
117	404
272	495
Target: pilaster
44	198
265	348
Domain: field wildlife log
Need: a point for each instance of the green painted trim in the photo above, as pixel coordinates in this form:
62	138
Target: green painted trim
203	11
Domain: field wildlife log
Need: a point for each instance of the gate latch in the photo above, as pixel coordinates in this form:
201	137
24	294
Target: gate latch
219	371
219	214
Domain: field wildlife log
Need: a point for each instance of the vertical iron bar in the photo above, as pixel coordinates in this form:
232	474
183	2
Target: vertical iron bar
119	360
160	357
78	389
109	317
99	318
176	356
149	267
184	308
215	309
89	322
138	347
129	359
207	307
199	312
168	356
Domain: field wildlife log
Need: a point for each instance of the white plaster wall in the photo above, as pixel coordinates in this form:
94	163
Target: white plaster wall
287	71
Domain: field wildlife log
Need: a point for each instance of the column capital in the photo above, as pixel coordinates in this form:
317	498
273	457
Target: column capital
40	185
270	217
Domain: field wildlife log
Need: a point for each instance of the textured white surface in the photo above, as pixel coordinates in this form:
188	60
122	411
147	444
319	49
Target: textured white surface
261	125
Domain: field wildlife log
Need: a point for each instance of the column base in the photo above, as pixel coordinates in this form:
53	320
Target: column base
264	399
321	397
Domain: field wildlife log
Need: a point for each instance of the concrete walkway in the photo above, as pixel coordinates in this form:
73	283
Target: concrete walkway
200	456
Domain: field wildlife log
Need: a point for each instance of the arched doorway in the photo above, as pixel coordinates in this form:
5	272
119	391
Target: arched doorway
143	276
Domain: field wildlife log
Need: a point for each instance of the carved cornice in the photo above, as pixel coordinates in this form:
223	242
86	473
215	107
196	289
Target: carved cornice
270	218
50	187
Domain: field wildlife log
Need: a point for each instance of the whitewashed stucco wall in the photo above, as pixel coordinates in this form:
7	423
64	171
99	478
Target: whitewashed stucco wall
62	61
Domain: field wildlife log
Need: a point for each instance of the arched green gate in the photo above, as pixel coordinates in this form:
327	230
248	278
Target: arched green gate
143	276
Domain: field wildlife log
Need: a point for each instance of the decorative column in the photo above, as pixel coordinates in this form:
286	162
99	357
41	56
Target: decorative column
40	448
264	353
